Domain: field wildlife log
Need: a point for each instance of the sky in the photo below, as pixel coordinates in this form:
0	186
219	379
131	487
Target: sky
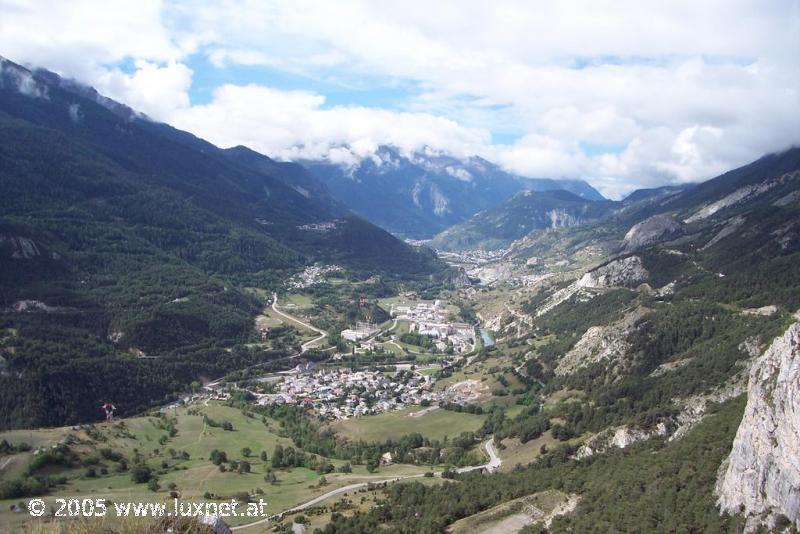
623	94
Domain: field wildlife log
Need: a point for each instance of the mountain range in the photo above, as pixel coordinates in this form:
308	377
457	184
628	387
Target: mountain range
753	193
523	213
421	194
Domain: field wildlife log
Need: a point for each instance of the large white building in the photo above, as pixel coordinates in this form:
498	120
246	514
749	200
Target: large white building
360	331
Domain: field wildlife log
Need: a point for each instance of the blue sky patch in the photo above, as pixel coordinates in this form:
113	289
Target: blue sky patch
592	149
337	92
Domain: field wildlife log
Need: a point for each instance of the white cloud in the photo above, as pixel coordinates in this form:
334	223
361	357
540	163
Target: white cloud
85	40
689	88
649	73
23	81
292	124
76	37
158	91
540	156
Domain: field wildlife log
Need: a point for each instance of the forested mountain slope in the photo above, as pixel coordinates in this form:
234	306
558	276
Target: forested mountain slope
120	237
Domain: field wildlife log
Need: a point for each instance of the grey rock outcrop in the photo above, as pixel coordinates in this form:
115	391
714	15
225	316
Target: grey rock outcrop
458	278
743	194
624	272
619	438
731	227
696	407
649	231
766	311
21	248
602	343
762	473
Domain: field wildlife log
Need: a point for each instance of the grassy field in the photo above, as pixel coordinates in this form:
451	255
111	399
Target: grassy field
402	328
267	320
298	299
413	349
192	477
393	348
524	453
14	466
477	371
392	425
514	410
304	333
560	397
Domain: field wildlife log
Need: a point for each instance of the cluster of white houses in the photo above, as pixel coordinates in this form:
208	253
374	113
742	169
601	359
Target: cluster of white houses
311	275
319	227
343	393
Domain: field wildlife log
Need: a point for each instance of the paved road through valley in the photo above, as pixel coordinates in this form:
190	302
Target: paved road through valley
305	346
491	466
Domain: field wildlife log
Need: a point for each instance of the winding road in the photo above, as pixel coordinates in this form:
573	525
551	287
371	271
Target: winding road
323	497
494	460
305	346
493	464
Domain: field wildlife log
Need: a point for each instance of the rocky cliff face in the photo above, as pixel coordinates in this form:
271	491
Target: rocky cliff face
602	343
731	227
650	231
743	194
21	248
762	474
618	438
458	278
625	272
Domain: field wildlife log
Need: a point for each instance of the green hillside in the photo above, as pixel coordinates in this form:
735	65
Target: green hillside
523	213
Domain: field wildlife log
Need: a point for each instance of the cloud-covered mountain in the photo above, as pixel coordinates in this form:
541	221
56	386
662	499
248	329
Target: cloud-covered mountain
627	103
421	194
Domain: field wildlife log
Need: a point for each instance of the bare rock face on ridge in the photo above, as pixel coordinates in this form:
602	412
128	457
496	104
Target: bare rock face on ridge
762	475
21	248
624	272
650	231
602	343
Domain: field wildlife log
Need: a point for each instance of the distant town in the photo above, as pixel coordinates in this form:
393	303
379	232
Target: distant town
311	275
344	393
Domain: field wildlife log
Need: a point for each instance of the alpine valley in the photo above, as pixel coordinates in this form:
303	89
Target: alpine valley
391	342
